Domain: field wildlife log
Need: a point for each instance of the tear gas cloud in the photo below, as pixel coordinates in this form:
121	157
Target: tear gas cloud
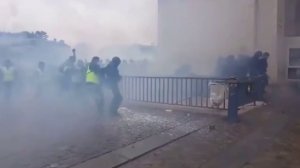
197	32
92	24
44	112
41	112
190	33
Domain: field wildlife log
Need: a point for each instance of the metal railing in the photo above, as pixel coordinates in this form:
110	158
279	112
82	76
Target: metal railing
182	91
194	92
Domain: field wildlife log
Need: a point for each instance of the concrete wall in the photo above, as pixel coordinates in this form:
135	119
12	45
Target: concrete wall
290	42
286	43
197	32
281	43
267	33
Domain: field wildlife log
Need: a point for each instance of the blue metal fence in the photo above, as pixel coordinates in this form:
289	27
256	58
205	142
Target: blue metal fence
192	92
183	91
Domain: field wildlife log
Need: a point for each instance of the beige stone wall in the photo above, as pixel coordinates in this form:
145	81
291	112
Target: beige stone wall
197	32
281	45
267	33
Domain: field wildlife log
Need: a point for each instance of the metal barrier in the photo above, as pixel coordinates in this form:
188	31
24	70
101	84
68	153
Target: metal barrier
243	92
182	91
192	92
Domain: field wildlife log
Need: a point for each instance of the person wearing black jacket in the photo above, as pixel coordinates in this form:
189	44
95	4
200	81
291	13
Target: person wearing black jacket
113	78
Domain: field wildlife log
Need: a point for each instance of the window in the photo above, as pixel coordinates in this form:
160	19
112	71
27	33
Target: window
294	63
294	57
294	73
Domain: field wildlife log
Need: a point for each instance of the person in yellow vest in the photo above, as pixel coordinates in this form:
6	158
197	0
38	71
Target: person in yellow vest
8	77
93	80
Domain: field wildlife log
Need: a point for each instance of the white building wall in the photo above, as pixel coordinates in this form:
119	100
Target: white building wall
268	33
197	32
281	45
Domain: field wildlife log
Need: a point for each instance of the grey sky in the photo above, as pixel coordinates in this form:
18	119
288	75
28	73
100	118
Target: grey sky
97	23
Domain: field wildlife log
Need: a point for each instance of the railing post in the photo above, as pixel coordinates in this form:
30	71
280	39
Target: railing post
233	101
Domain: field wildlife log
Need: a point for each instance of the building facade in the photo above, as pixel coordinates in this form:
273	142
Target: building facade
198	32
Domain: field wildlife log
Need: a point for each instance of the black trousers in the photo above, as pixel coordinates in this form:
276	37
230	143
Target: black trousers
95	91
117	98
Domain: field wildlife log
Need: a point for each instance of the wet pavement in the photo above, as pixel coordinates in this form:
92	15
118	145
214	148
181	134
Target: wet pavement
194	150
68	134
218	145
265	138
284	153
126	154
62	136
284	150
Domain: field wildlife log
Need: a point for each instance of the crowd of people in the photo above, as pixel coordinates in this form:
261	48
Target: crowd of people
245	67
80	77
73	76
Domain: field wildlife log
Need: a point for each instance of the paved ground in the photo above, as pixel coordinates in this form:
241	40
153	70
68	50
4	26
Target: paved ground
284	153
64	134
61	136
196	149
284	150
266	138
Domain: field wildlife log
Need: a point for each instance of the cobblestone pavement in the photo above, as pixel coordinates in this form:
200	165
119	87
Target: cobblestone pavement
196	149
266	138
59	136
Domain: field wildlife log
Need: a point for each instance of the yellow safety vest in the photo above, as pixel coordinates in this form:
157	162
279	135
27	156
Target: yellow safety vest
8	74
91	77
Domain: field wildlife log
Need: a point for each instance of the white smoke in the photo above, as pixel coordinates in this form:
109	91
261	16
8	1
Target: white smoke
94	23
197	32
